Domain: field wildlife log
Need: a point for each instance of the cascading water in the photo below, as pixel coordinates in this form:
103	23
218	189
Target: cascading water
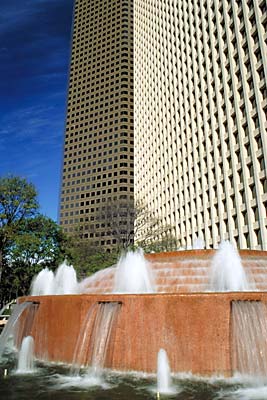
163	373
63	282
133	274
81	356
227	272
25	325
25	357
95	342
11	324
106	318
249	337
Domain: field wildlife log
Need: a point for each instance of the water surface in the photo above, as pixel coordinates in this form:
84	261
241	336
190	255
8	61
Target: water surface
53	381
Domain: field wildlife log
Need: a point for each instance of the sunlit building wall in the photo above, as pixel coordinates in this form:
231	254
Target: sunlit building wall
200	73
168	102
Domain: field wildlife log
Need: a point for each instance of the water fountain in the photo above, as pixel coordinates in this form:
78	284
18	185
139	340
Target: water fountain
9	329
180	312
227	272
95	342
63	281
26	356
198	244
133	274
163	373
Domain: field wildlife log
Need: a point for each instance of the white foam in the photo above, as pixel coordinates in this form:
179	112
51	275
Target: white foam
81	382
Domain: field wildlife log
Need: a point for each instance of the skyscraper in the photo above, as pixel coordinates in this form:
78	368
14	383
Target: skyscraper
196	77
99	147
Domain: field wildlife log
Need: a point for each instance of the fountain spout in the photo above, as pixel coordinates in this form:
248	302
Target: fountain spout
163	373
227	272
133	274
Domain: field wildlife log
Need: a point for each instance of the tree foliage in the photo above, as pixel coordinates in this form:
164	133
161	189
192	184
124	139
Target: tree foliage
39	240
28	240
18	200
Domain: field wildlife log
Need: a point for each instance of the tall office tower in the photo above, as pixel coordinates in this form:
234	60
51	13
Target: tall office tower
98	152
198	70
200	76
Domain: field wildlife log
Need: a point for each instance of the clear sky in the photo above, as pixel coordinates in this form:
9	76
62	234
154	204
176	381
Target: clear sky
34	58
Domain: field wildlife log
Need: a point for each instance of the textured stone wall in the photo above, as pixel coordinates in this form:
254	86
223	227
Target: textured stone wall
194	329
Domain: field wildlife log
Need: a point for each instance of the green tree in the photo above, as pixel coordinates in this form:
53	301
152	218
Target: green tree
28	241
18	201
39	242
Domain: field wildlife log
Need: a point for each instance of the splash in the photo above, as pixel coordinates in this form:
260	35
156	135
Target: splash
26	359
64	281
11	324
133	274
198	244
227	272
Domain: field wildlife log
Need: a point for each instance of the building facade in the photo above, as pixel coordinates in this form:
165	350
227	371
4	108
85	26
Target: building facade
197	114
99	149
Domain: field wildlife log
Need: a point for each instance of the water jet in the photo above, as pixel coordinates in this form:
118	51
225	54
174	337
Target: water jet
194	325
26	358
62	282
163	373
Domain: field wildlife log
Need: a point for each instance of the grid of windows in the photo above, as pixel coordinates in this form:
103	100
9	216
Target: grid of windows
168	99
200	117
98	152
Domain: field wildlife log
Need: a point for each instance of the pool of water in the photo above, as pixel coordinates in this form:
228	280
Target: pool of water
51	381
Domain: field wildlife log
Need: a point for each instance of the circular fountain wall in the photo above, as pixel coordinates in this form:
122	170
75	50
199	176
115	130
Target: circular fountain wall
201	331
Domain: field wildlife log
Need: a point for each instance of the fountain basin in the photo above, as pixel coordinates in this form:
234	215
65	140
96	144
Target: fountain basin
194	329
197	328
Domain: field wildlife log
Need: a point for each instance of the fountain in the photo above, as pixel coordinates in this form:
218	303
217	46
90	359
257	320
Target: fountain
94	344
9	329
163	373
198	244
227	272
133	274
62	282
179	312
26	358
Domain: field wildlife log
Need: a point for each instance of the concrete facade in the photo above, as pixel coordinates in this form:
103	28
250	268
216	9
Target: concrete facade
99	148
196	129
201	118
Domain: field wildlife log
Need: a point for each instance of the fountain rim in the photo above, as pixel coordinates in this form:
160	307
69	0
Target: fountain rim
202	253
239	295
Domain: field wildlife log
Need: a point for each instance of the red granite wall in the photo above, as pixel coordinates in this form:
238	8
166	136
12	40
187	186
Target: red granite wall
194	329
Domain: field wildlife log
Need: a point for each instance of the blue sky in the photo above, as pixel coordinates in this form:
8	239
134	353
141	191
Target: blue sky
34	58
